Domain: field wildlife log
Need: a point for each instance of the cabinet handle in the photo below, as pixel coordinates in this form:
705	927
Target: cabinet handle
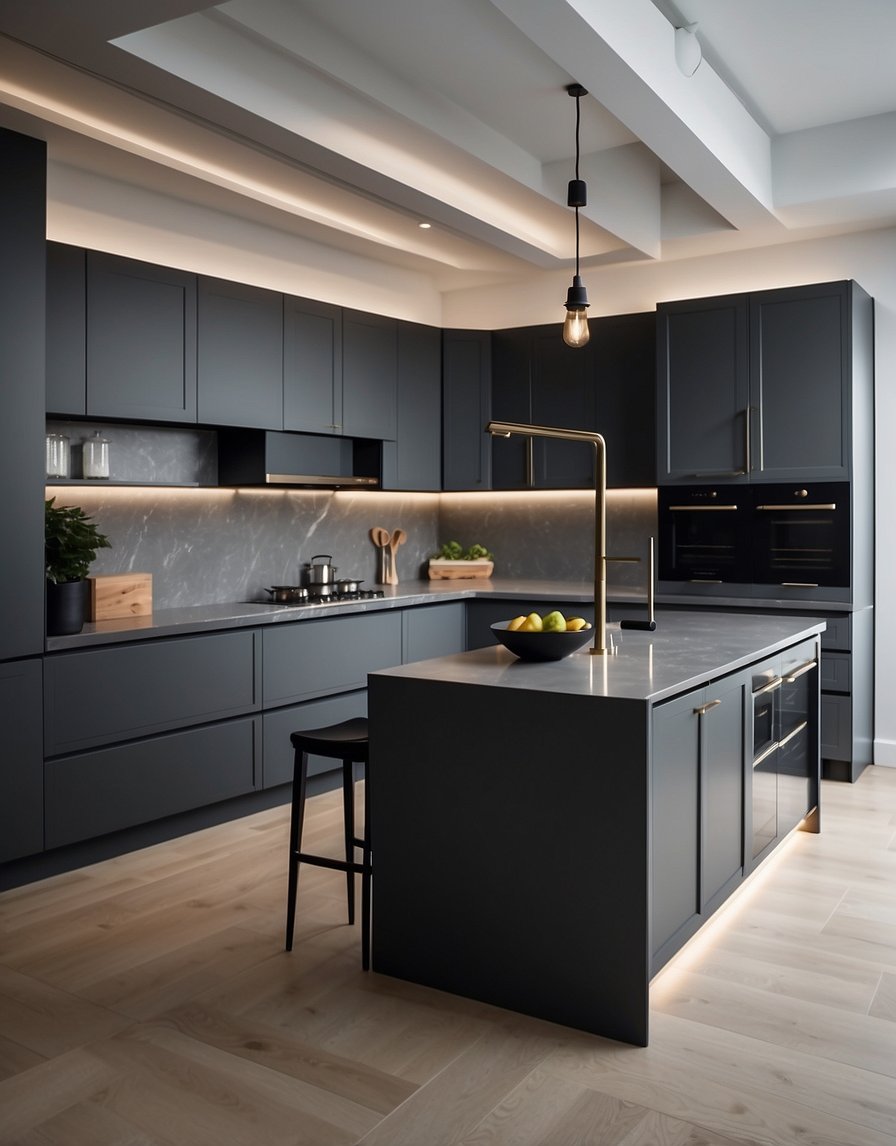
703	581
704	708
793	732
703	508
748	417
799	584
832	505
774	683
797	672
717	473
773	747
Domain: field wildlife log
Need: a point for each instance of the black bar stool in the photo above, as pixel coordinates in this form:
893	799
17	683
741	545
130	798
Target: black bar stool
346	742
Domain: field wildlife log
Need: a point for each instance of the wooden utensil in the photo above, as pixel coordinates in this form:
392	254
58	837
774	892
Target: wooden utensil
381	539
399	537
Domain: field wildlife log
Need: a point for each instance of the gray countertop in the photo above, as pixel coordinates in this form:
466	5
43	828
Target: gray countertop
205	618
686	650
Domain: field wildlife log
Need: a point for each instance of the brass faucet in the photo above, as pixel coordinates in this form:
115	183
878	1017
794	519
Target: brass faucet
504	430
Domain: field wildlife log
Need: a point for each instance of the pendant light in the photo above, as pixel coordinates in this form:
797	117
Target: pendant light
575	327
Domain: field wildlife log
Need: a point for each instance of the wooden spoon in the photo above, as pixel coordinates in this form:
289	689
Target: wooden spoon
380	538
399	537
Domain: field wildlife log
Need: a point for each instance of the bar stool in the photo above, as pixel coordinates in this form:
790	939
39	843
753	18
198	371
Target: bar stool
346	742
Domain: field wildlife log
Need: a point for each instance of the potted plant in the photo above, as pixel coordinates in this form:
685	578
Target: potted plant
71	540
453	561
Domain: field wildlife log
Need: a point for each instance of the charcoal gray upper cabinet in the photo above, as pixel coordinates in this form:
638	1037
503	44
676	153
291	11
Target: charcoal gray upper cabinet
759	387
703	388
414	460
66	329
312	366
141	340
369	375
240	355
466	408
537	378
607	386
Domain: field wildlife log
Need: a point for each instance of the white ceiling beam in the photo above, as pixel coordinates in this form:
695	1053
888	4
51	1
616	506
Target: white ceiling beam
622	51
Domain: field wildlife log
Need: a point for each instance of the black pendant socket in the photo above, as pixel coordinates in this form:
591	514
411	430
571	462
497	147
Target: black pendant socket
577	295
577	193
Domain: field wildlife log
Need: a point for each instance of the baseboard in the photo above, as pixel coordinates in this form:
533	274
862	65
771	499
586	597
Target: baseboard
885	753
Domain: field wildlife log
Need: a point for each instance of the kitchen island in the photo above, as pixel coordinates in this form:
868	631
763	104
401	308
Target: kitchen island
547	835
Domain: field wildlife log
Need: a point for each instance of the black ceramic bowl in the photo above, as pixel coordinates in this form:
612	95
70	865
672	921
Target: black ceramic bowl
541	646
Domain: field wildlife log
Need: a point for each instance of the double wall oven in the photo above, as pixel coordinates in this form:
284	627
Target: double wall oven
780	535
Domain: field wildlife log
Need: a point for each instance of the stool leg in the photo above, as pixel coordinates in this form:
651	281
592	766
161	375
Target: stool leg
296	821
366	878
348	807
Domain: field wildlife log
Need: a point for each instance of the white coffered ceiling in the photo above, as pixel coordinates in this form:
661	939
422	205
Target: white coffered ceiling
351	121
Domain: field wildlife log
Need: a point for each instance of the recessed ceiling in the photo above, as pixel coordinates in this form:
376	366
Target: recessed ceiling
351	122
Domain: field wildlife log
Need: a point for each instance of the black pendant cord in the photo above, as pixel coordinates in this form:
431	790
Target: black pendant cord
578	120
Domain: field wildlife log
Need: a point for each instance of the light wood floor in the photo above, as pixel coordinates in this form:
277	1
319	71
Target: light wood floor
148	999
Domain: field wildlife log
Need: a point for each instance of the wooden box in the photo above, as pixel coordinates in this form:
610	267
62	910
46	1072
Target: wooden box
441	569
114	595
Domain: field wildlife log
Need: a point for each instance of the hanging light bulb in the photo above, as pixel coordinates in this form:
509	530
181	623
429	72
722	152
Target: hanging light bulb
575	326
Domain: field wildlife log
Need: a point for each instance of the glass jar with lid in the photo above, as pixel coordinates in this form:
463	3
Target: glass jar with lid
95	456
58	455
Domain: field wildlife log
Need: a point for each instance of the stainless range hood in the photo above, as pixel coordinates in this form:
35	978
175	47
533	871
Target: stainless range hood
276	458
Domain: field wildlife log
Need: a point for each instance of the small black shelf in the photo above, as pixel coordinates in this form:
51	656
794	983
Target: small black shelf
99	483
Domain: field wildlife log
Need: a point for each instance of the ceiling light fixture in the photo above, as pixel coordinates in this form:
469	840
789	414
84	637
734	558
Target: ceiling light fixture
575	326
424	226
688	52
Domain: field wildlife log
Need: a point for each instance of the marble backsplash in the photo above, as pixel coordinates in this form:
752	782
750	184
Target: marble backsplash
206	545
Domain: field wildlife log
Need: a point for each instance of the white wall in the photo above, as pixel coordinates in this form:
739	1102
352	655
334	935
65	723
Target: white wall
85	210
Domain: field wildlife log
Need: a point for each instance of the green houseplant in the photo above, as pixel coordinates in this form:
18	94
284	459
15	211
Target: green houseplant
71	541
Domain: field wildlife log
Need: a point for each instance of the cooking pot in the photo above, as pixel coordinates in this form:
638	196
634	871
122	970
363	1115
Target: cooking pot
348	586
288	594
322	572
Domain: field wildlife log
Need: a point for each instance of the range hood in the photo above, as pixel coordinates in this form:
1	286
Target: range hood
276	458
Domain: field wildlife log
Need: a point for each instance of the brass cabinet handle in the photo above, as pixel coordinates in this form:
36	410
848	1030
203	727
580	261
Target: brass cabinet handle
704	708
793	732
774	683
703	508
799	584
798	672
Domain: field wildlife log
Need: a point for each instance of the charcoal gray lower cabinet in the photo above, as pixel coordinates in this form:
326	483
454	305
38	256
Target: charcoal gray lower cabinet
137	732
95	793
21	763
697	808
99	696
433	631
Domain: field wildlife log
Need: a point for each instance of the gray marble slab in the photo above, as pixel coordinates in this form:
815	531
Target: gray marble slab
687	650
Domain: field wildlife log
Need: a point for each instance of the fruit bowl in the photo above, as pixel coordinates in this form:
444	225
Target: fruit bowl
551	646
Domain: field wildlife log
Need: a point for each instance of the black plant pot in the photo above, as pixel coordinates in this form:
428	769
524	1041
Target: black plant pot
66	607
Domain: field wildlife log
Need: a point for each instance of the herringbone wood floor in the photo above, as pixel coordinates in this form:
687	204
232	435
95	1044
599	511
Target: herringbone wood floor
148	1000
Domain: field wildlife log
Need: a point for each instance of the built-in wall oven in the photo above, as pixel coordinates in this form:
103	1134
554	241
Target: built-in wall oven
801	535
704	534
780	535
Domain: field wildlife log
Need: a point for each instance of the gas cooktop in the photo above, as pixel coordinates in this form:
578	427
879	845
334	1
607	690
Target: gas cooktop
316	598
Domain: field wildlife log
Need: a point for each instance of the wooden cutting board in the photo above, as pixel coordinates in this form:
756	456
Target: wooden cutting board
114	595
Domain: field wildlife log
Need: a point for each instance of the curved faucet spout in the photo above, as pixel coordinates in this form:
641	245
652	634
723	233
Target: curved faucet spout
505	430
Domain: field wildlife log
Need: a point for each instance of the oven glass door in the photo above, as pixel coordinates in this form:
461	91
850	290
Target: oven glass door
704	535
801	535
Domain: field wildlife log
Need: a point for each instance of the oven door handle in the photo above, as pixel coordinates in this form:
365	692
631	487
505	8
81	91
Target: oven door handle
773	747
832	505
702	508
774	683
798	672
793	732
